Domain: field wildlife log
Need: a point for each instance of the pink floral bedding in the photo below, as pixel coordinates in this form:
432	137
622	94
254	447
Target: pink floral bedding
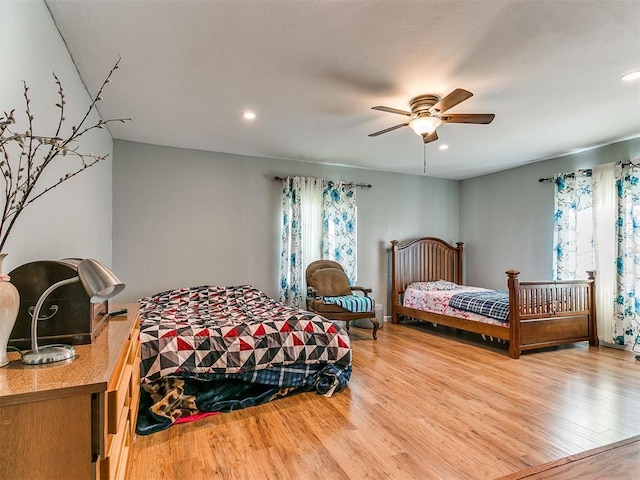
437	301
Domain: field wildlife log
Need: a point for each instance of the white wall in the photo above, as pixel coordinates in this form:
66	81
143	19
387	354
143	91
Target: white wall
506	219
74	219
188	217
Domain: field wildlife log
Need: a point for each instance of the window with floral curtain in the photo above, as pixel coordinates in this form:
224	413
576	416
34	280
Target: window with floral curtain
572	226
610	201
318	221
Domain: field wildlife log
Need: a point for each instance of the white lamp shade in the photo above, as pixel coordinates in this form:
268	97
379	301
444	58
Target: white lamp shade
425	125
99	282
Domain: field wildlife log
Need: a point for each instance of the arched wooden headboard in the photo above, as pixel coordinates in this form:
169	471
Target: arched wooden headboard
423	260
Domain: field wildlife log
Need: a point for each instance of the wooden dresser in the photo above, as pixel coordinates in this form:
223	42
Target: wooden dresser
73	419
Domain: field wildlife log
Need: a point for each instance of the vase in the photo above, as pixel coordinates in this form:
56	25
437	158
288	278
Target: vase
9	306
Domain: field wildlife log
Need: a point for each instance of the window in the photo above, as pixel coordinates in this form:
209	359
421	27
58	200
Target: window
573	253
318	221
597	226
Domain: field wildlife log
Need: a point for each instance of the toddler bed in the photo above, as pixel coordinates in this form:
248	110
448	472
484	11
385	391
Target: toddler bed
538	314
216	349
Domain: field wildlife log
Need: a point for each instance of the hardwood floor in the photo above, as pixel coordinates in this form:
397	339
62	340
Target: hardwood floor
619	460
419	406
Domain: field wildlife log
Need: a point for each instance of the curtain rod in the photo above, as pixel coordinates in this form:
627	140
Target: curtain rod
352	184
586	172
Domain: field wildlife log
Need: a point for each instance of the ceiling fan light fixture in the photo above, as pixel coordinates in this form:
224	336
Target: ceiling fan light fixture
424	125
631	76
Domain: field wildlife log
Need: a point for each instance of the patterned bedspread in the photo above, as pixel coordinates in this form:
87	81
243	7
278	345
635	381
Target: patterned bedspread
232	330
218	349
490	303
437	301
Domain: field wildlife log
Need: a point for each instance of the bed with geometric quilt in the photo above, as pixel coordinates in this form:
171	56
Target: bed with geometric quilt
214	349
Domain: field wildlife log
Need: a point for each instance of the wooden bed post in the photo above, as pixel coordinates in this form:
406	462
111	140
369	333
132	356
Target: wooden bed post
394	281
514	313
593	319
459	279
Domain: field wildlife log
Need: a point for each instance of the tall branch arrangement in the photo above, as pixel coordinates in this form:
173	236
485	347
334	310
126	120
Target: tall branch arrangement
24	155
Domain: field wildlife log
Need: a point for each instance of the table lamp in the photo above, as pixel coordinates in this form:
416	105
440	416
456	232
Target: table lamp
98	281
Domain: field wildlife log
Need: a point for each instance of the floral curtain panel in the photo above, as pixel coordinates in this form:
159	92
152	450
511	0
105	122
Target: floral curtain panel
339	238
572	226
291	274
627	303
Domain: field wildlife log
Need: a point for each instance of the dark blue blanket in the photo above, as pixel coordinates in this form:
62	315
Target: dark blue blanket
165	400
490	303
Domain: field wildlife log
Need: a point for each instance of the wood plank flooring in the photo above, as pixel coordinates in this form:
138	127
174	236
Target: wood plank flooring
419	406
620	460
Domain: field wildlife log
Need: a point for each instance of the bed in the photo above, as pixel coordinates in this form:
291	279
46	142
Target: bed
212	349
540	314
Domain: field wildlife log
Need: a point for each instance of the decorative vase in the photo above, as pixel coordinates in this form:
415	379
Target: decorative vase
9	306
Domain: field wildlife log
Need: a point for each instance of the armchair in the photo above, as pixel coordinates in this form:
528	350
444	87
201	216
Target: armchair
326	278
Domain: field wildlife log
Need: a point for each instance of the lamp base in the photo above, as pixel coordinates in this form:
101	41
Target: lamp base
48	354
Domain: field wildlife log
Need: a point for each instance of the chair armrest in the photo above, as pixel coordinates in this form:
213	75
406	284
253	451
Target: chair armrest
312	292
366	291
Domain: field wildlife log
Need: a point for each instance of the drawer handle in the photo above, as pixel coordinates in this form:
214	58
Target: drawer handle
53	308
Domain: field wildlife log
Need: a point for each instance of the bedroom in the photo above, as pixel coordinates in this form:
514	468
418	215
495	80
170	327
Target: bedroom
134	211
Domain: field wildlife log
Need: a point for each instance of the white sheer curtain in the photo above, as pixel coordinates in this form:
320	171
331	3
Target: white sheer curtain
301	235
311	213
604	228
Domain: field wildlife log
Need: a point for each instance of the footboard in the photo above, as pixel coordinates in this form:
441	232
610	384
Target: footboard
544	314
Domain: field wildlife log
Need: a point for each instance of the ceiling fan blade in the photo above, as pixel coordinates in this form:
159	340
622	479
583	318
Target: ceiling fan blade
388	130
451	100
483	118
392	110
432	137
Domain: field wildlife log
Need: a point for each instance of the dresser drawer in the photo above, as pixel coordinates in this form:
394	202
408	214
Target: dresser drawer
121	469
119	390
119	447
120	410
134	401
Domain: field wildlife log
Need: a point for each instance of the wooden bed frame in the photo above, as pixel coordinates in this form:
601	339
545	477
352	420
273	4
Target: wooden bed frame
541	314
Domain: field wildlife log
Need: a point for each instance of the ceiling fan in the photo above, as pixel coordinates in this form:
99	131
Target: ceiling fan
428	113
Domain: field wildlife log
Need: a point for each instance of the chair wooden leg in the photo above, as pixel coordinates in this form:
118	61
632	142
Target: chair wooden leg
347	322
376	325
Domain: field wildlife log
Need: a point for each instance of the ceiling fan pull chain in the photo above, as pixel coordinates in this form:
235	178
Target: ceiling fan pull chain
424	146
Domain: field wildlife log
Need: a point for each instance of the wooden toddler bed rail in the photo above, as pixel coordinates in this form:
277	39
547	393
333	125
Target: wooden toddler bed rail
541	314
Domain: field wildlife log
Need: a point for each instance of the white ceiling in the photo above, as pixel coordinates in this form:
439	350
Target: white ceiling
311	70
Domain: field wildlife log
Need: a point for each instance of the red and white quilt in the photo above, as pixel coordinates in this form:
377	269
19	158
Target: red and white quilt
231	330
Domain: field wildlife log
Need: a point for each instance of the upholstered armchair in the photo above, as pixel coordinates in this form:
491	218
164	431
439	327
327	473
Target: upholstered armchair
328	289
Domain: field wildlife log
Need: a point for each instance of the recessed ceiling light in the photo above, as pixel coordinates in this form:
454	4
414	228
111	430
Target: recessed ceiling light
249	115
631	76
443	147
